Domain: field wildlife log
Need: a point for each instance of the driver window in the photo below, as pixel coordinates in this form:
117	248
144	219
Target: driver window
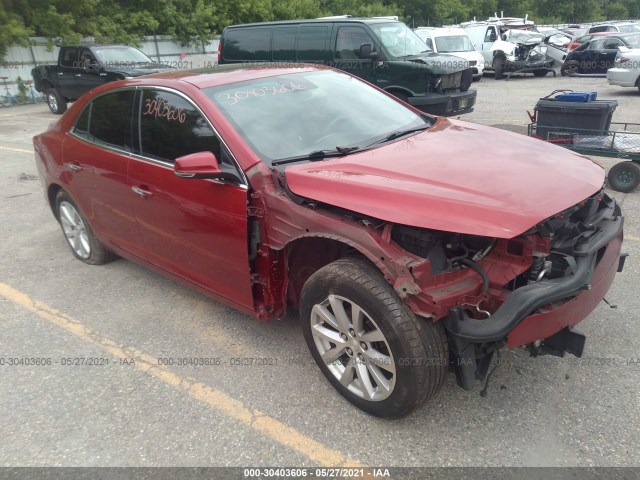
87	59
349	41
491	35
170	127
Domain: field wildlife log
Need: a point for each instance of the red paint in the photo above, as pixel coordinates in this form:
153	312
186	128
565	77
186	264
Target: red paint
456	177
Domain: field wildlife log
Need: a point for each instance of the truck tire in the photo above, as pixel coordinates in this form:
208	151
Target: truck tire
498	67
57	104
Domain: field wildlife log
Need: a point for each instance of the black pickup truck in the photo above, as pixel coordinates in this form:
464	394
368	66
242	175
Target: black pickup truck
79	69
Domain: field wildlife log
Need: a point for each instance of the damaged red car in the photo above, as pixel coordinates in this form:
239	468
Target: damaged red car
411	245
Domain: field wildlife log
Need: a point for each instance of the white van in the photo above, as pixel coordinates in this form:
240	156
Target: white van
454	41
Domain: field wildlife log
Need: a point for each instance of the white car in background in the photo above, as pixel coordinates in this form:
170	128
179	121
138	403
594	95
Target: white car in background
454	41
626	68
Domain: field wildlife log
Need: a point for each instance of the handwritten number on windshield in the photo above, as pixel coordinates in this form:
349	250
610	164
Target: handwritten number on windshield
234	97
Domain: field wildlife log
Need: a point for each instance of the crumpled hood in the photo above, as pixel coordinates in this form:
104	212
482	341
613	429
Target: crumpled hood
456	177
439	63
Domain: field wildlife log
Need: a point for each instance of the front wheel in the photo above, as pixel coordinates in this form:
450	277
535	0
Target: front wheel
570	68
498	67
57	104
624	176
368	343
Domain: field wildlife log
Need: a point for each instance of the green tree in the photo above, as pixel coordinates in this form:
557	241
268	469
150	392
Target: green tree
12	29
616	11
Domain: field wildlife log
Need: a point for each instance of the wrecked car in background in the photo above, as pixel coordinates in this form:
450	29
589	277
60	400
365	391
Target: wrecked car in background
390	230
510	45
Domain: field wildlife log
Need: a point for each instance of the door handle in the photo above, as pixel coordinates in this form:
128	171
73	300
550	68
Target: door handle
74	166
143	192
60	74
78	75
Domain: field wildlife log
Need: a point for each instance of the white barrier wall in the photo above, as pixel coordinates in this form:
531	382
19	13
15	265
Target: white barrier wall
19	61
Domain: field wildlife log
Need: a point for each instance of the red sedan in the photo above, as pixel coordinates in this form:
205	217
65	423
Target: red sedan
576	42
408	243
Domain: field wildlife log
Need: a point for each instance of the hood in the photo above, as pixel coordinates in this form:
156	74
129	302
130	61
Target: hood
456	177
439	63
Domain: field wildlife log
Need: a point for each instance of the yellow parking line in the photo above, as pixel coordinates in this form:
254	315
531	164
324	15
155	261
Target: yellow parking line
21	150
215	399
631	237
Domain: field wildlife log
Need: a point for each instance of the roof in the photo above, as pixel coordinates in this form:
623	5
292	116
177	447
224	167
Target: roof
315	20
224	74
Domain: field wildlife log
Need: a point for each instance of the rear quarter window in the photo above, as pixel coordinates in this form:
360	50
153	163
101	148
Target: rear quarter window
312	42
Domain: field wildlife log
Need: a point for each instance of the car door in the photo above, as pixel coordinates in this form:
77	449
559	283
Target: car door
96	157
589	55
89	75
611	47
490	37
65	74
195	229
346	51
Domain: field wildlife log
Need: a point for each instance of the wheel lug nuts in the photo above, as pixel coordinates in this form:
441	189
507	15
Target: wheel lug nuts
361	357
343	337
352	332
349	351
363	345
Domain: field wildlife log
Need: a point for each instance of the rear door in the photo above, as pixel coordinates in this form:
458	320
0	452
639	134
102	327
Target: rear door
193	228
610	50
96	158
66	71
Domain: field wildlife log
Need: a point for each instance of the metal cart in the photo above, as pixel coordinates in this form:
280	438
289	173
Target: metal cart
622	141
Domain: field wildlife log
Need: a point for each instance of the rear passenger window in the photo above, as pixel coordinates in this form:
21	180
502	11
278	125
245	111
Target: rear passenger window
284	43
171	127
107	120
69	57
247	44
312	42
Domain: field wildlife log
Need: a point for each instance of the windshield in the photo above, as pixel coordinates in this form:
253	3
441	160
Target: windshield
458	43
633	41
633	28
121	55
398	39
295	114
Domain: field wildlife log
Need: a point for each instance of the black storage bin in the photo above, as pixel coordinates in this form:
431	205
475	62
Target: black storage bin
557	117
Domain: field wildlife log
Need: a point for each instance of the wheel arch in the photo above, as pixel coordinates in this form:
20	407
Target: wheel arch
306	255
52	193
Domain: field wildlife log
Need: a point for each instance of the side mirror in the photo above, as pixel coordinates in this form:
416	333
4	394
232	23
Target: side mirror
198	165
366	53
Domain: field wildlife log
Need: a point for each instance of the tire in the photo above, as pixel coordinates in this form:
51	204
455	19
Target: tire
57	104
540	73
408	357
569	68
498	67
624	176
83	243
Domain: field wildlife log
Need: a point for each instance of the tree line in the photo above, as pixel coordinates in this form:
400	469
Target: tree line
188	21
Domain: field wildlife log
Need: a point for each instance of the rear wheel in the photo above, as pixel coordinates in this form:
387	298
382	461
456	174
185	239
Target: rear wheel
367	342
84	244
624	176
57	104
570	68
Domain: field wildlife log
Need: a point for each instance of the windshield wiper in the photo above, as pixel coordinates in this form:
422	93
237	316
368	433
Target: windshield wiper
398	134
317	155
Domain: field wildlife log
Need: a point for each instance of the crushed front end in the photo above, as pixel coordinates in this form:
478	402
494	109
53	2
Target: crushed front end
528	290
